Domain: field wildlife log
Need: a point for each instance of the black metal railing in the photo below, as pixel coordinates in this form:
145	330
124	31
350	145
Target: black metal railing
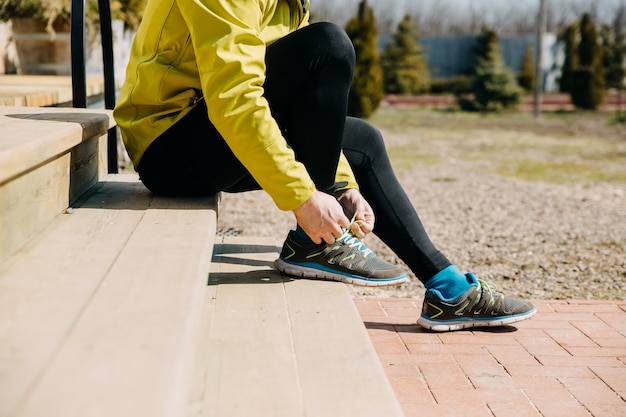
79	67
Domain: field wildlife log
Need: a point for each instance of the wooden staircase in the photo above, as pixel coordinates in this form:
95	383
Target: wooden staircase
117	302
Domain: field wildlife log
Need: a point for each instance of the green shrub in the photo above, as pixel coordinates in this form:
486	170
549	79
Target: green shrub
587	90
457	85
570	38
585	94
493	86
130	11
404	68
366	91
526	77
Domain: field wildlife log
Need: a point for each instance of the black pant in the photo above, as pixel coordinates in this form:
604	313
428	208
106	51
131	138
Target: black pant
309	73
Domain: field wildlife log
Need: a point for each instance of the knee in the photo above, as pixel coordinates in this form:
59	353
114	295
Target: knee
364	140
335	42
366	136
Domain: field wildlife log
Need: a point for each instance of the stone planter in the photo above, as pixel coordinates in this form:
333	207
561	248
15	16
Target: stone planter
40	52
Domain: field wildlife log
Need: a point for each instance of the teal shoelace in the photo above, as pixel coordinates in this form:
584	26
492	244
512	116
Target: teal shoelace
353	242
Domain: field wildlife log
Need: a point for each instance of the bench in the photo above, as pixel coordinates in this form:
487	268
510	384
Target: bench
43	90
105	308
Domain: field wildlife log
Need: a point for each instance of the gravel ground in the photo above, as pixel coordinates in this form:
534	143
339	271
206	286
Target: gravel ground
533	239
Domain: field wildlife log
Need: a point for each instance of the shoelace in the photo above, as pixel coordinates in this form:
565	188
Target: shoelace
488	287
353	242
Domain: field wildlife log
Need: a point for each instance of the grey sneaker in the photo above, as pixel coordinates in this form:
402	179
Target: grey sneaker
481	305
347	260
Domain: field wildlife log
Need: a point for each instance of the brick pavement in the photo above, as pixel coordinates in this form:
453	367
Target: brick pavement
568	360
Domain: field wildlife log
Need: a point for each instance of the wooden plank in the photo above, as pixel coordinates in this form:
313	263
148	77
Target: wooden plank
48	158
33	95
46	285
131	351
340	373
250	363
43	90
282	347
103	157
30	202
31	136
85	167
25	145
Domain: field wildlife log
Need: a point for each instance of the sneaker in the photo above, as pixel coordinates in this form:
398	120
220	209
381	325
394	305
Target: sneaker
481	305
347	260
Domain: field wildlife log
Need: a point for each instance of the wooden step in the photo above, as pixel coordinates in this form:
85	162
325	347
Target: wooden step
43	90
48	158
280	347
100	313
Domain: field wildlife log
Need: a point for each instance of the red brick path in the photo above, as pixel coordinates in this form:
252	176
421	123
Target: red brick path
550	102
568	360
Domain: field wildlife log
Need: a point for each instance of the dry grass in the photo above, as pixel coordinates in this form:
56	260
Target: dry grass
558	148
536	206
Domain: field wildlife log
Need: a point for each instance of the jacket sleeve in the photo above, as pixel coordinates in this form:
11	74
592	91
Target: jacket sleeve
230	56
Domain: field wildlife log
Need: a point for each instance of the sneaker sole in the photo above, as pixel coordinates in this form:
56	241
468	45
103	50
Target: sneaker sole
451	325
300	271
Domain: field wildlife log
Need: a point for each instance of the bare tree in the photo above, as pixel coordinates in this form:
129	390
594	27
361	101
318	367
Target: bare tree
388	14
515	18
338	12
476	17
455	17
619	20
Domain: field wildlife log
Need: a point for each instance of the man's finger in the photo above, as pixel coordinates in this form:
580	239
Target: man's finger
356	230
329	238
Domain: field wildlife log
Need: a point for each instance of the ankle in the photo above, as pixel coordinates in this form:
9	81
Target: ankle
301	236
449	283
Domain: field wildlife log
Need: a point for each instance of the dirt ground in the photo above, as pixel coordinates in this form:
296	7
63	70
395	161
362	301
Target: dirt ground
537	207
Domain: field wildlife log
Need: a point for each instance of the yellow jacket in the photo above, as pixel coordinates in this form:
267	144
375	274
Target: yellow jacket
189	50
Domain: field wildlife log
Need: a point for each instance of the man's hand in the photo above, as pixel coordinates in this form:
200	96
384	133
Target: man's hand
322	218
353	203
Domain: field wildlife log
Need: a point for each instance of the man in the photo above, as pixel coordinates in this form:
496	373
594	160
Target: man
240	95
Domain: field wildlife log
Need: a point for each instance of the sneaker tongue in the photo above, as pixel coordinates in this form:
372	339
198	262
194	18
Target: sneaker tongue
471	278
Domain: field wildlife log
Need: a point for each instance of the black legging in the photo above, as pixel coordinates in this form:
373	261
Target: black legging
309	73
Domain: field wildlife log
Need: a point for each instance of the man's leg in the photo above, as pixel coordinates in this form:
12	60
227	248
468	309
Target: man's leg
309	73
397	223
453	300
192	159
308	78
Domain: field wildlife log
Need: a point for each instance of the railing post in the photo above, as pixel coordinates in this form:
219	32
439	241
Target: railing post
106	33
78	50
79	70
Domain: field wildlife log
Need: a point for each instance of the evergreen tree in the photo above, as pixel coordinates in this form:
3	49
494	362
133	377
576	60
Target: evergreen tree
404	69
366	91
588	78
526	77
494	85
570	63
613	55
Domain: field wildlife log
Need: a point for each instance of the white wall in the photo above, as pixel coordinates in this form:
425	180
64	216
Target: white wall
121	49
8	55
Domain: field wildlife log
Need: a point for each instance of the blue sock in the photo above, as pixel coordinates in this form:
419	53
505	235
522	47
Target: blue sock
301	235
449	283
